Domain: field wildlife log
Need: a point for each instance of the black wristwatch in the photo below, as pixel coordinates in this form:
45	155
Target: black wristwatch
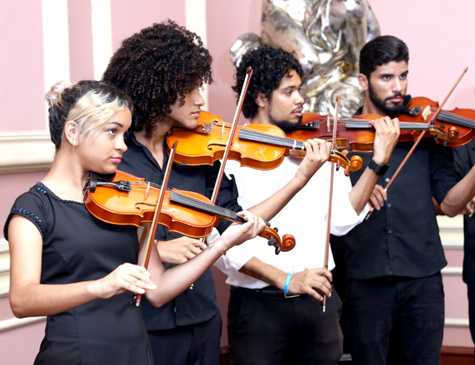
380	169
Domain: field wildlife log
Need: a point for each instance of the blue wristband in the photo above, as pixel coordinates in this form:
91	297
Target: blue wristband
287	282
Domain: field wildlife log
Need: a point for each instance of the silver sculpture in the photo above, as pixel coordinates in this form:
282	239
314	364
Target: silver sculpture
326	37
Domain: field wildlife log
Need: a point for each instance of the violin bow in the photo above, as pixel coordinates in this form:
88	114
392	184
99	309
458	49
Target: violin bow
416	142
153	226
219	178
217	185
332	174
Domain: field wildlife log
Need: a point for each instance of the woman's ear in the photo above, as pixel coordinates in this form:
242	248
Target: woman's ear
71	132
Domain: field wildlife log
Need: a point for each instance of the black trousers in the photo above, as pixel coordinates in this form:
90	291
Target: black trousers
266	328
410	311
197	344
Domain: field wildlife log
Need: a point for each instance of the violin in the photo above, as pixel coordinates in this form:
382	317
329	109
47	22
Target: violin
457	124
129	200
258	146
355	134
452	128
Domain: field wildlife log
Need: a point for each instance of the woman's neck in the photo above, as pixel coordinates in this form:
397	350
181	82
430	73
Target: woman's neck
66	178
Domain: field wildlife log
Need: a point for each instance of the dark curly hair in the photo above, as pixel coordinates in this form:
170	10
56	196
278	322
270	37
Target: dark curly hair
155	67
380	51
270	66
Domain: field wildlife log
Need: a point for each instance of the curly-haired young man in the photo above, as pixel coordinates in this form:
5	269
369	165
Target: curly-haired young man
162	69
264	325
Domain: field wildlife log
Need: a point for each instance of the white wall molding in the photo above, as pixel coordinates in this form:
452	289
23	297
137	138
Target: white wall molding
4	268
451	232
25	152
452	271
195	14
12	323
56	41
456	322
101	36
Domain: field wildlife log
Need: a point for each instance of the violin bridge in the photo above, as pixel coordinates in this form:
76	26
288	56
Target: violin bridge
147	191
426	112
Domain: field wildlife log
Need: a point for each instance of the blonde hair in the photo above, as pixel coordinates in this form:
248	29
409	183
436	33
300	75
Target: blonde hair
88	103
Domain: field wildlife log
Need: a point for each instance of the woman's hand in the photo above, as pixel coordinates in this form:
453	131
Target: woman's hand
133	278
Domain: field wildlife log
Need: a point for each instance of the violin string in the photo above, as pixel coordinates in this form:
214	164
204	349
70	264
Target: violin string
456	119
205	207
255	136
194	203
355	123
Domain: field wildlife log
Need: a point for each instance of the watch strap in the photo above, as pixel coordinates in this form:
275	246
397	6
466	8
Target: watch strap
379	169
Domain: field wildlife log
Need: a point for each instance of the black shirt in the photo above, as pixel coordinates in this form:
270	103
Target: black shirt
464	160
198	304
402	239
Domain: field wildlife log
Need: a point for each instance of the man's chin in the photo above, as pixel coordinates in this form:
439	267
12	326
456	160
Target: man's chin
394	110
288	126
189	124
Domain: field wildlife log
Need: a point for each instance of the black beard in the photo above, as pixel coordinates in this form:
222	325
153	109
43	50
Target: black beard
390	111
286	125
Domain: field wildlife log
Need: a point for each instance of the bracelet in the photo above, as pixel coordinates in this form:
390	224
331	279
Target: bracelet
287	282
221	253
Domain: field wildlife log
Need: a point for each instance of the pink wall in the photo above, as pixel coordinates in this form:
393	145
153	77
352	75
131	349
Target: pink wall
81	61
21	66
129	16
440	36
226	22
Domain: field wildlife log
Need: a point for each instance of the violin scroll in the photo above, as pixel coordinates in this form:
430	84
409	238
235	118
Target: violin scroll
286	244
340	159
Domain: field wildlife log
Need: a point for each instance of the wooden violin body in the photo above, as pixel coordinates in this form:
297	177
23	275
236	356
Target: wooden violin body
355	134
205	144
129	200
452	128
457	124
257	146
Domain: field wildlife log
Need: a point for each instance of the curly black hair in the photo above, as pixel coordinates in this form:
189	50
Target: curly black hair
270	66
155	67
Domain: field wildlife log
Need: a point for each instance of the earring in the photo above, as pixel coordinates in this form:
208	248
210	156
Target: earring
74	141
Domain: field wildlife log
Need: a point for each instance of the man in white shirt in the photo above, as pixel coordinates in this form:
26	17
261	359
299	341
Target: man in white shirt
275	312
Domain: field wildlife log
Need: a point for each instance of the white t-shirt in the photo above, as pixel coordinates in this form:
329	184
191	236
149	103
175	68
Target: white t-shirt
305	217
